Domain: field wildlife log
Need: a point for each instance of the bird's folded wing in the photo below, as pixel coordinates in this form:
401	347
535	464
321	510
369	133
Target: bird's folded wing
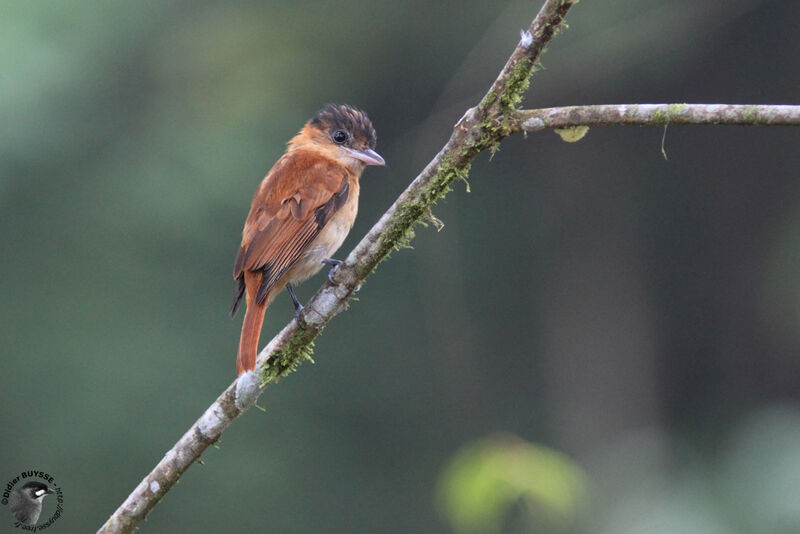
296	200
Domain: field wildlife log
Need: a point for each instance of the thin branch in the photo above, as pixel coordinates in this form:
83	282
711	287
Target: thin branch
481	128
533	120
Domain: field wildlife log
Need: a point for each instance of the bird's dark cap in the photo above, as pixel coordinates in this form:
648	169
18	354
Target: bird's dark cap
342	116
36	485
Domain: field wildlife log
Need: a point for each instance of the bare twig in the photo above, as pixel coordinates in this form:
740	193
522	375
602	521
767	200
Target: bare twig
481	128
533	120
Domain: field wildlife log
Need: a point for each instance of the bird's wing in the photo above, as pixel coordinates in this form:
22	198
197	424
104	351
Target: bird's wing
294	202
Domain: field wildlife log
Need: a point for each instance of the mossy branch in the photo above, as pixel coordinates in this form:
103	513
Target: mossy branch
482	127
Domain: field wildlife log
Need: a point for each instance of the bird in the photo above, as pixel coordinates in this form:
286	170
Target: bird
300	215
26	502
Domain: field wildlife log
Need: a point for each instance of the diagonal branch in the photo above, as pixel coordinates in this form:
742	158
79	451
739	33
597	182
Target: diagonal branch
393	230
482	127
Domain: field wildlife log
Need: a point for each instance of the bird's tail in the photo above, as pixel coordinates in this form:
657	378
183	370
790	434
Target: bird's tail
251	330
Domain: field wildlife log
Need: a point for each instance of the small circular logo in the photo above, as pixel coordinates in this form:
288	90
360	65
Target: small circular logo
25	496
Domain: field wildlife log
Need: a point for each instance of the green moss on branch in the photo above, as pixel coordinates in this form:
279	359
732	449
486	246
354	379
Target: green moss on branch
299	348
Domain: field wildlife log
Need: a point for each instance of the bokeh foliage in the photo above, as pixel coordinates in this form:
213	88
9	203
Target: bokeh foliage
486	479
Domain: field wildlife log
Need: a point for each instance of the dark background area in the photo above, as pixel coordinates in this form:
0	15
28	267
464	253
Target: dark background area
640	316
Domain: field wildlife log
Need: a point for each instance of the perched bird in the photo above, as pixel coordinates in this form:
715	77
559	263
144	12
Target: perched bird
300	215
26	502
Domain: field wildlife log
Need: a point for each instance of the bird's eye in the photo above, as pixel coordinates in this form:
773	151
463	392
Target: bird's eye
339	137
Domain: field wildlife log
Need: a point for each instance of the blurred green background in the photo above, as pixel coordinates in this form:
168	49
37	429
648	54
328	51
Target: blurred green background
598	341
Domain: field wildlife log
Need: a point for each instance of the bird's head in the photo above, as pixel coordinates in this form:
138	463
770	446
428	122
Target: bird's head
36	490
343	133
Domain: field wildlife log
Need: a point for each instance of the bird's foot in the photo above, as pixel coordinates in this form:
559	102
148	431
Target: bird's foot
335	264
298	308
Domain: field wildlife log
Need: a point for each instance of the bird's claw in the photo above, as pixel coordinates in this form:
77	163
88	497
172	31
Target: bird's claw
335	264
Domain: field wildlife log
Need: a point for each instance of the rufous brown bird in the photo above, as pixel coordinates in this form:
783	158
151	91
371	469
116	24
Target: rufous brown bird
300	215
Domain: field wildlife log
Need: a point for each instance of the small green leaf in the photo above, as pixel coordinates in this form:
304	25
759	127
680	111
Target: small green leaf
573	134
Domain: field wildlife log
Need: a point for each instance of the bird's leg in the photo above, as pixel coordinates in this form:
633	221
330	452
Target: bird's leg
297	306
335	264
